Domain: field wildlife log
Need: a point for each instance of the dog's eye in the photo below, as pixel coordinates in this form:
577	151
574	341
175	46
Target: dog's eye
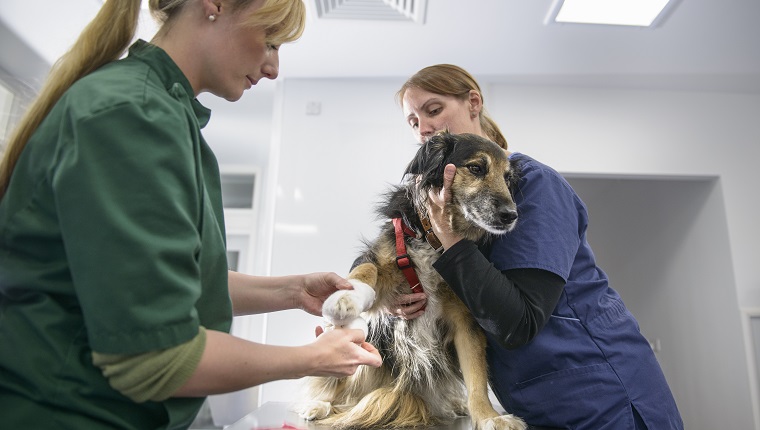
475	169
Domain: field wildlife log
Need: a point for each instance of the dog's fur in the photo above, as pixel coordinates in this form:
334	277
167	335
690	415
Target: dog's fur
434	367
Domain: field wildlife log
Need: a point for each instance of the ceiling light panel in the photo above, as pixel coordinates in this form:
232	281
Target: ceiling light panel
640	13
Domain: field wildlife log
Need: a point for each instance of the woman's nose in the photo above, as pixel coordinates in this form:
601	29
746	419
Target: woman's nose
427	128
271	67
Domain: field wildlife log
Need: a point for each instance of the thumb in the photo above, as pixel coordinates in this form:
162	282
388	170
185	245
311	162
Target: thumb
448	179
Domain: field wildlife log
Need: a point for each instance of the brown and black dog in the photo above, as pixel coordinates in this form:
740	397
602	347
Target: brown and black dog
434	367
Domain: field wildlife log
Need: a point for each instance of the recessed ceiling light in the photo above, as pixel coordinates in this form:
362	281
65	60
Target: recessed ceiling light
641	13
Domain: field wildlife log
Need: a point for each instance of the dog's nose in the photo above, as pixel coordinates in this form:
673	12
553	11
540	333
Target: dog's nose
507	215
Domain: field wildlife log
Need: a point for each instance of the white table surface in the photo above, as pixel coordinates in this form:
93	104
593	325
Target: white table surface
277	415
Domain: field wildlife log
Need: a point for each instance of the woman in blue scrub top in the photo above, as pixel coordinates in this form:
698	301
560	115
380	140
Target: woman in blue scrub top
115	298
563	350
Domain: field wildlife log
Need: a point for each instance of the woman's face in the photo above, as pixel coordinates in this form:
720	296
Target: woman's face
428	113
242	56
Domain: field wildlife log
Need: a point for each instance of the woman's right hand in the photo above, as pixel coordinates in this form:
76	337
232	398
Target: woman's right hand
437	213
341	351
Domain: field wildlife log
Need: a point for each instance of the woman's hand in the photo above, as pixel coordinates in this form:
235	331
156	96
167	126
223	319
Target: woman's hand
317	287
439	217
341	351
408	306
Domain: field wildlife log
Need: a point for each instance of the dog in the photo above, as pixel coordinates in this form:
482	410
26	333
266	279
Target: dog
434	367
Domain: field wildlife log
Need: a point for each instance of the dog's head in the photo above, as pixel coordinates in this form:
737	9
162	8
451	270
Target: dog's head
481	197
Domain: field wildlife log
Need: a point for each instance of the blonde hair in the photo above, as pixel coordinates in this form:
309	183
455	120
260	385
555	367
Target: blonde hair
451	80
106	38
284	20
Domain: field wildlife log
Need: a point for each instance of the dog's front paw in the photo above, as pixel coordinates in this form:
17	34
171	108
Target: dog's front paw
503	422
344	306
314	410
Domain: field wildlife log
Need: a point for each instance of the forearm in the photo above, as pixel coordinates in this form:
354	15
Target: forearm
213	362
258	294
230	363
511	310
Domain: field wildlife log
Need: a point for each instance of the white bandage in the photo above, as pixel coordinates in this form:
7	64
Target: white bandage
344	306
365	291
358	324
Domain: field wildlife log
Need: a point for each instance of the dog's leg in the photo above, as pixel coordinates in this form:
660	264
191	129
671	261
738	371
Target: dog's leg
366	273
341	309
470	344
319	393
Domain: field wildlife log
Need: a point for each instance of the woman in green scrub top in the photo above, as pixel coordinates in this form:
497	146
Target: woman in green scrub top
115	298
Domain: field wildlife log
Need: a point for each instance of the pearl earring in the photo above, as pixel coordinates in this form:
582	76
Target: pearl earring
212	18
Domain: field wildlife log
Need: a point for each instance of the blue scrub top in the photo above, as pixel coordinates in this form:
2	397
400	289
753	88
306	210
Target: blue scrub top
590	362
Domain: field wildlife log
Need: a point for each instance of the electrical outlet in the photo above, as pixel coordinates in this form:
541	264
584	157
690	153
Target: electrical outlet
313	108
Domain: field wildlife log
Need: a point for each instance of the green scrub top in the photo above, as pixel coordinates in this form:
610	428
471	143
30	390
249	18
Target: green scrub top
111	239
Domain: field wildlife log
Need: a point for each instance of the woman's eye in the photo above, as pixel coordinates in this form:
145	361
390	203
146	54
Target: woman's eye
435	111
413	124
273	47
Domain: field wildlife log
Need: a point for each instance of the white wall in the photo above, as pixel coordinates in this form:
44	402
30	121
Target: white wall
332	169
664	244
333	166
648	132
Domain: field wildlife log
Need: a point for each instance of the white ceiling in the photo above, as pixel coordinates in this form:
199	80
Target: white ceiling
709	43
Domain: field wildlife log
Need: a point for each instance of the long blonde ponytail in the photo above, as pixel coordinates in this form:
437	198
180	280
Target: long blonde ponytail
103	40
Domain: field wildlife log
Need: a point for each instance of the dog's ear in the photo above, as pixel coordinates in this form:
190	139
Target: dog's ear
425	171
430	160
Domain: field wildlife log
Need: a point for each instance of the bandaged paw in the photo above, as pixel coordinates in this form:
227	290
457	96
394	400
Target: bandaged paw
344	306
357	323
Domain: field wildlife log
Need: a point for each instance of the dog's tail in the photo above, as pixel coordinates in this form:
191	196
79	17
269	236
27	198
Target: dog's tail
385	408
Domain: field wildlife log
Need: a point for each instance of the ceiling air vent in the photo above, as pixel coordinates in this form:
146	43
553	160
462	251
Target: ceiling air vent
375	10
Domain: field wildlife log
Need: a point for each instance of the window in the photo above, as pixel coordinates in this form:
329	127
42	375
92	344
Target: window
237	190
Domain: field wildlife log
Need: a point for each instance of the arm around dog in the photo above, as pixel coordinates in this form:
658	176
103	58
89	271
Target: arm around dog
529	295
512	306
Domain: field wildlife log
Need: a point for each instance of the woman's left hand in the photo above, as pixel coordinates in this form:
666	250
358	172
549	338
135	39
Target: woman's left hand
408	306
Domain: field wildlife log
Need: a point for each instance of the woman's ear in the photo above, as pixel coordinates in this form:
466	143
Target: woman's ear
476	103
212	7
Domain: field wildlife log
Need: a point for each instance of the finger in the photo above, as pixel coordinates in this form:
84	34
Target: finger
413	315
448	174
408	299
356	335
414	307
339	282
373	358
344	285
448	179
318	331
